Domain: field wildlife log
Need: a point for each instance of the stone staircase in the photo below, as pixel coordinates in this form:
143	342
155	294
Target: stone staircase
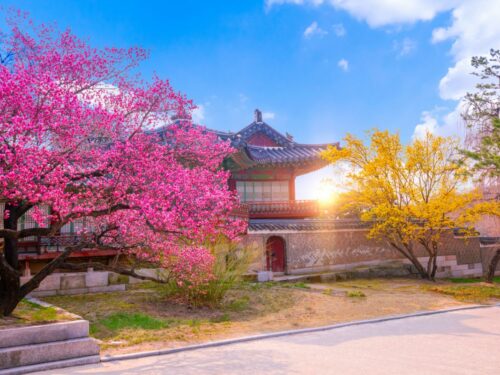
46	347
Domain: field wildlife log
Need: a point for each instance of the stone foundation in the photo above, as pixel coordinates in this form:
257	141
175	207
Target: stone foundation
76	283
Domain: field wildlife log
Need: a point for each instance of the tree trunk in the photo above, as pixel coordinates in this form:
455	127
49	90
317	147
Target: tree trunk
9	264
420	269
434	267
408	254
492	267
9	288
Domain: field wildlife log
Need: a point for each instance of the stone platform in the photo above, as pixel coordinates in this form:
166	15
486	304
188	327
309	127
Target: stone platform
44	347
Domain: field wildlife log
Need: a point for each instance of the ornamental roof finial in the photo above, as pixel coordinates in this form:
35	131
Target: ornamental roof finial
257	116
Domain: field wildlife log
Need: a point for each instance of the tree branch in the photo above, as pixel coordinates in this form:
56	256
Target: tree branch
9	233
35	281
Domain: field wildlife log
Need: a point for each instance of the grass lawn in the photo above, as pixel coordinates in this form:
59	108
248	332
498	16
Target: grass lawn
462	280
470	290
147	317
30	313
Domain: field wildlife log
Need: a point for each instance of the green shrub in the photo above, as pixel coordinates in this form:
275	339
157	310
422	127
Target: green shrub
239	304
231	263
355	293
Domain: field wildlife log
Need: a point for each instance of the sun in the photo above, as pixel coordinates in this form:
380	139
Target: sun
326	192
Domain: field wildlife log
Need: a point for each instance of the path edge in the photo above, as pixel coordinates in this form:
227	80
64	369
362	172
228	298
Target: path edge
265	336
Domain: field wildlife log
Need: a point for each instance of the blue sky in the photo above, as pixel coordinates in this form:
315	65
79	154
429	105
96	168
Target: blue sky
317	69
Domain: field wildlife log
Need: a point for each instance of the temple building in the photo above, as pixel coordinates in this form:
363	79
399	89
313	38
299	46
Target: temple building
290	236
294	236
263	172
264	169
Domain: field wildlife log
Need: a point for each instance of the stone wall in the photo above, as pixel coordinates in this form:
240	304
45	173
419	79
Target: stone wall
87	282
319	251
487	253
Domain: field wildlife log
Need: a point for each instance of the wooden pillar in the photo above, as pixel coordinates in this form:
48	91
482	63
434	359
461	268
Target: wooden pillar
27	269
291	187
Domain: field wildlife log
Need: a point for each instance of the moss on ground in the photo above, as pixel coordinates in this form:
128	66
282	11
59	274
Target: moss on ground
31	313
468	293
470	280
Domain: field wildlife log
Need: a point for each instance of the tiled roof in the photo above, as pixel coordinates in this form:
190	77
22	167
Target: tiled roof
288	152
295	153
261	127
258	225
489	241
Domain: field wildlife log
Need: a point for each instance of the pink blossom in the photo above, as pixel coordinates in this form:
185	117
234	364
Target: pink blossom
74	124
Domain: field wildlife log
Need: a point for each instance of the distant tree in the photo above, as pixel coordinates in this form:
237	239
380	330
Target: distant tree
74	148
412	195
482	117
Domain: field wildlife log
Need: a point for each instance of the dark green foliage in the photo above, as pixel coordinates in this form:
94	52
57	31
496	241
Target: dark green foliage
482	116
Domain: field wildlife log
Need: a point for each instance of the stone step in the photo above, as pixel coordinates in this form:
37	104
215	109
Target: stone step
19	336
26	355
89	360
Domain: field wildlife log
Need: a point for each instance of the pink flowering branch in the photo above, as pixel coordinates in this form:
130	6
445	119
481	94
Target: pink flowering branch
75	147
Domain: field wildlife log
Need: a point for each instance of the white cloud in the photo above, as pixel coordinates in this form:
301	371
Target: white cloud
382	12
429	125
457	81
474	29
448	124
268	115
313	29
198	114
343	64
339	30
405	47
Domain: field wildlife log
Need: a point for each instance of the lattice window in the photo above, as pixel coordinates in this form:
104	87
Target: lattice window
263	191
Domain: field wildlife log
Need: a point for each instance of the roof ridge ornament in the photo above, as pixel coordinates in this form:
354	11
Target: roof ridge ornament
258	116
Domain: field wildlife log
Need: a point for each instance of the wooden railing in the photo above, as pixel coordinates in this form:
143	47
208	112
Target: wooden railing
284	209
241	212
40	245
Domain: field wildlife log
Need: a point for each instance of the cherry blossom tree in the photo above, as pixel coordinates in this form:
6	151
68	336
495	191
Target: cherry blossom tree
76	146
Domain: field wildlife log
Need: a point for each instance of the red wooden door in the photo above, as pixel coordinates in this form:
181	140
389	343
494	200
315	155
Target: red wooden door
275	249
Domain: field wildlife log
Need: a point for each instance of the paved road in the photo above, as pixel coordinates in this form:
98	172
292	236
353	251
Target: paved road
460	342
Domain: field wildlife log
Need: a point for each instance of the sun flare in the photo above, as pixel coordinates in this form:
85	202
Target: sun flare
326	192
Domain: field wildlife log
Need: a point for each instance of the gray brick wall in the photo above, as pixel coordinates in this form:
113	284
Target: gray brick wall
329	249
